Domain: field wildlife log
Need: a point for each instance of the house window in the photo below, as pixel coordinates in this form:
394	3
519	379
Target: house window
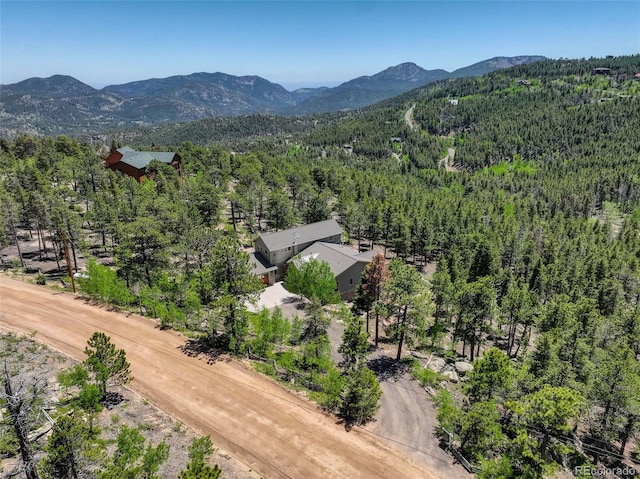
350	280
289	248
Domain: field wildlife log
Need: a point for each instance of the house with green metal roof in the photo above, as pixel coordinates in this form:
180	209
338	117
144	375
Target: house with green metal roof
135	163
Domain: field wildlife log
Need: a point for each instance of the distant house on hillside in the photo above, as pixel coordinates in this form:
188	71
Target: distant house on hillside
453	101
134	163
346	264
601	71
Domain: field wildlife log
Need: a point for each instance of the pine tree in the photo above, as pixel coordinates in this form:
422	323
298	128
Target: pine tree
491	378
408	298
234	285
65	449
108	364
360	395
354	346
197	468
374	278
132	460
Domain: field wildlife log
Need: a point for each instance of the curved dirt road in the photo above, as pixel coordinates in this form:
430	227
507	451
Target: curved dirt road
448	160
408	117
268	428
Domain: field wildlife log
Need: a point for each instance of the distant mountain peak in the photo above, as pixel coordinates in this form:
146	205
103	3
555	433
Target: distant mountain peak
55	85
406	66
409	71
495	63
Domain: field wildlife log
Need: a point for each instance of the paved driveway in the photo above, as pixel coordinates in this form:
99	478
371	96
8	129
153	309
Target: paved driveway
273	296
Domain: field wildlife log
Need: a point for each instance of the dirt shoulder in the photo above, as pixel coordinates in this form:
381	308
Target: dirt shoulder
271	430
31	360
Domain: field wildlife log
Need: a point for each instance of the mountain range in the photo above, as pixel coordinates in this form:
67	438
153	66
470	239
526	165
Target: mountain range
62	104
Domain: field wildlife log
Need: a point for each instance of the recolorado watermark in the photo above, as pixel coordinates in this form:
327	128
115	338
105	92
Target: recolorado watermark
594	471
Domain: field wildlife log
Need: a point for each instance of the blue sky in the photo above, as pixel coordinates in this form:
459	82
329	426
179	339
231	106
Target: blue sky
297	43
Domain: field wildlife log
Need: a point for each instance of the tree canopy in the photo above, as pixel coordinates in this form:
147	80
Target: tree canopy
312	279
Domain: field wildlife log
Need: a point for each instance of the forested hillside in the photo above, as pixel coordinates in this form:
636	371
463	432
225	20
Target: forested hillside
523	186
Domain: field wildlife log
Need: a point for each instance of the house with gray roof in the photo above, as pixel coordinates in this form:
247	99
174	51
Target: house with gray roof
134	163
346	264
261	268
279	247
321	241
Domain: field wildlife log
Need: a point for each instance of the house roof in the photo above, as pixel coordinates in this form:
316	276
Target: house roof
301	234
339	257
259	265
140	159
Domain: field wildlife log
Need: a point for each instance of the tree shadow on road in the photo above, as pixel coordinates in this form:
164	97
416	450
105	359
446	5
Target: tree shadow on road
203	348
387	368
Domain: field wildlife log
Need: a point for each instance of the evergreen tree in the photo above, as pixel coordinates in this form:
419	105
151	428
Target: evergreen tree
66	449
354	346
408	298
132	460
492	377
443	291
476	309
360	395
197	468
374	278
108	364
280	212
480	431
551	410
234	285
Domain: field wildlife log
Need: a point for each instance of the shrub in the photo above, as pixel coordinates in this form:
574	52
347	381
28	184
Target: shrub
101	283
427	377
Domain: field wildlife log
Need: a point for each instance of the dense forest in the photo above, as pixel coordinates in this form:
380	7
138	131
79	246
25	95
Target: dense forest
535	231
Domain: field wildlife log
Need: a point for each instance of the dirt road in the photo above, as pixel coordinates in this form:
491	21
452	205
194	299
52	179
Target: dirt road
408	117
268	428
448	160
